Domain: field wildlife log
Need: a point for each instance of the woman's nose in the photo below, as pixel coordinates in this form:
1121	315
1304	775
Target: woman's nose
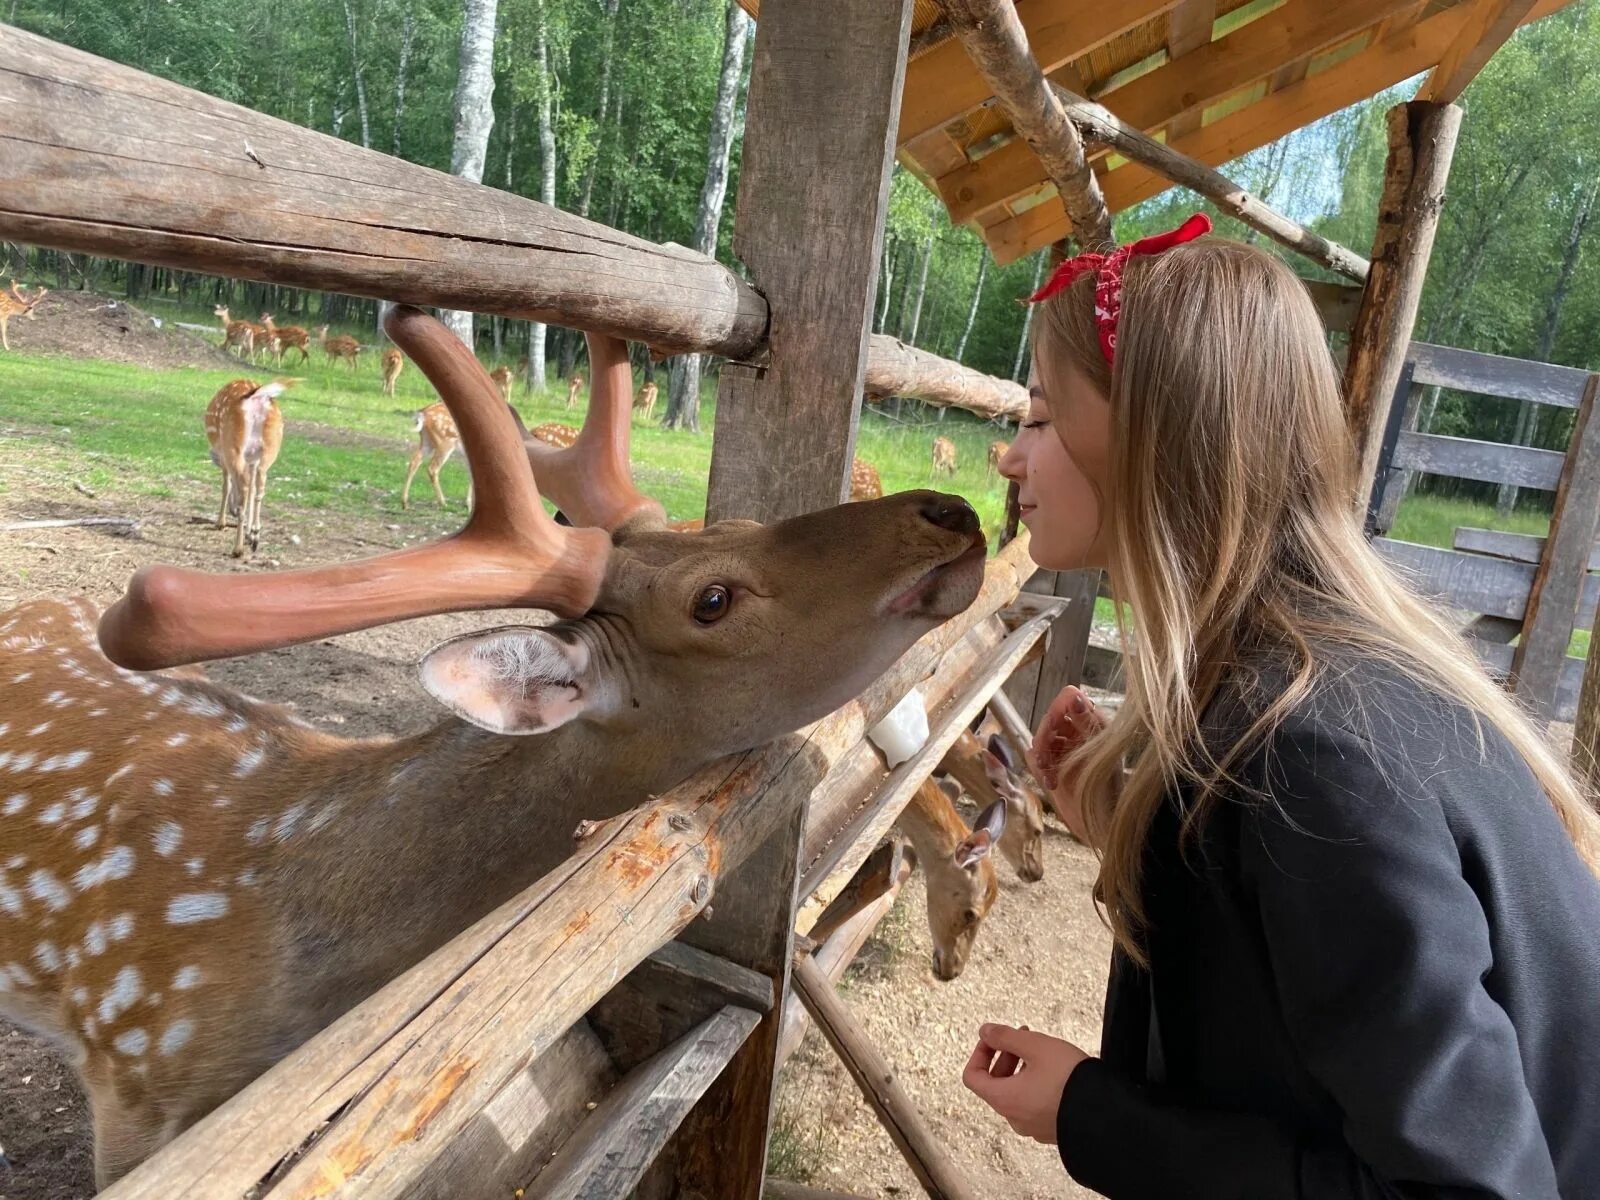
1013	463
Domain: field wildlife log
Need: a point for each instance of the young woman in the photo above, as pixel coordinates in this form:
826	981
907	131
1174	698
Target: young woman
1353	892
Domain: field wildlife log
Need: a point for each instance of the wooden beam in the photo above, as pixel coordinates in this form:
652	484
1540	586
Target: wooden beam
1558	582
876	877
1422	140
1518	547
782	1189
1586	724
1397	58
896	369
927	1157
1490	26
997	43
1298	29
1189	27
942	84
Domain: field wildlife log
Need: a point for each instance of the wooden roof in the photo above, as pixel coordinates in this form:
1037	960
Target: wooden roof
1212	78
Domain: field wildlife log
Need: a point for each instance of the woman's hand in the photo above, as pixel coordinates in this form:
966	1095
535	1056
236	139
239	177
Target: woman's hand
1071	720
1021	1075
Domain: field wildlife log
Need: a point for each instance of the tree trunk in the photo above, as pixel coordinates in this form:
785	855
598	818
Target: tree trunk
474	114
977	295
1027	321
361	83
922	289
547	174
608	43
891	252
1528	413
683	378
408	29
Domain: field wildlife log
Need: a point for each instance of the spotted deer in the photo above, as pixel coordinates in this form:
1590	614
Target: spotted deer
959	871
239	336
285	337
646	400
574	386
997	451
14	302
944	456
437	440
193	882
554	433
502	381
392	363
990	774
865	483
341	347
244	427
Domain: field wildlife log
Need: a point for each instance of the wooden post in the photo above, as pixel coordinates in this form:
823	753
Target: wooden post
819	145
1586	735
1541	653
1422	139
1033	687
939	1176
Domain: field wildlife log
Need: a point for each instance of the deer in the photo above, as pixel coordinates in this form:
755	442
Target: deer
865	482
990	774
437	440
574	386
997	451
962	886
285	337
15	303
944	457
341	346
502	380
244	427
240	336
554	433
647	399
392	363
194	882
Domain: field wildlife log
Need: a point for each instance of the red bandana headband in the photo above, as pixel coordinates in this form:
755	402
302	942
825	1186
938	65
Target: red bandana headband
1108	269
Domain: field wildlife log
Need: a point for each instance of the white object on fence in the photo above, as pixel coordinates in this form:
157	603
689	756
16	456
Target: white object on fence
904	731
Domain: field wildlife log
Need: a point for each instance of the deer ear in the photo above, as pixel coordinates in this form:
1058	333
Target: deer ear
950	788
984	836
513	680
1001	749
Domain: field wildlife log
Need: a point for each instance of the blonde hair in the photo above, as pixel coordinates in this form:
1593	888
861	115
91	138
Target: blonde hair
1232	535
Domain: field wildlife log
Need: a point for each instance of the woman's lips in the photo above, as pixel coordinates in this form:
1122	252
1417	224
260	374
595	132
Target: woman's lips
1024	511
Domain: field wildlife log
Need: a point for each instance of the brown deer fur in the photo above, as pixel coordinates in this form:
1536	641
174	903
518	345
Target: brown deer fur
15	303
987	775
944	456
865	483
502	380
244	427
574	386
960	873
437	440
392	363
997	451
646	401
239	335
285	337
341	346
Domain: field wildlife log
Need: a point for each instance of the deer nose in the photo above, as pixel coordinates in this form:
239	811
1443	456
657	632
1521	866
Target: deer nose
952	513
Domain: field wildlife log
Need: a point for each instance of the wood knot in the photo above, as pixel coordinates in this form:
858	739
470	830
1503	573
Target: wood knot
678	823
584	830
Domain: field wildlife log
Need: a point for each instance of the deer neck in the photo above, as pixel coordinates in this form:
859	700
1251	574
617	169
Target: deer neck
932	824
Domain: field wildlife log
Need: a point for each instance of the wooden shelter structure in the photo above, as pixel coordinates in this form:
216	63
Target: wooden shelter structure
606	1032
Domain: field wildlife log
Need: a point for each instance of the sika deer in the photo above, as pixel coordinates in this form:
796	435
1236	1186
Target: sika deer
574	386
554	433
13	303
240	335
944	456
341	346
502	381
245	429
437	439
285	337
192	883
955	860
392	363
865	483
989	774
646	400
997	451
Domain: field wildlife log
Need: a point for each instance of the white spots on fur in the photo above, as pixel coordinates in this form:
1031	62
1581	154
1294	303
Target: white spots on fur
10	898
193	907
98	712
20	975
123	994
284	829
15	803
80	996
59	699
48	890
118	773
48	956
169	697
250	761
166	838
39	728
257	832
177	739
86	837
176	1036
64	762
221	802
205	706
94	939
22	677
237	724
116	863
121	927
247	878
73	957
84	802
21	762
162	787
323	815
132	1042
53	814
187	979
194	866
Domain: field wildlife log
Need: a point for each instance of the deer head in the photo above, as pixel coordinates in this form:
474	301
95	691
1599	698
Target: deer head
989	774
248	869
957	863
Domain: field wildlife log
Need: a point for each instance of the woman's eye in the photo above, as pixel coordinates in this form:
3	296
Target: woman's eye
712	604
1036	424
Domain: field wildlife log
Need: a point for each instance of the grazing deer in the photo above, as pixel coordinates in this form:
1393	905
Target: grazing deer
192	883
574	386
341	346
944	456
239	335
955	860
14	303
502	381
997	451
245	429
865	483
990	774
646	399
437	439
285	337
554	433
392	363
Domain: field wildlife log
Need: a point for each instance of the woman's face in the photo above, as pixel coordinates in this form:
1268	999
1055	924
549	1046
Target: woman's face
1059	462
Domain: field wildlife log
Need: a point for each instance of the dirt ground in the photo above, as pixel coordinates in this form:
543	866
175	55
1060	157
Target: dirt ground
85	325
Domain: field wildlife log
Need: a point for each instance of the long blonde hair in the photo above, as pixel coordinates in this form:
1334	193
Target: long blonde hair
1231	533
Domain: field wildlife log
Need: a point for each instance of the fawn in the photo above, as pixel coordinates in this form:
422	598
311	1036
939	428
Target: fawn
955	860
502	381
15	303
193	882
865	483
646	400
285	337
990	774
944	456
392	363
437	440
341	346
245	429
240	336
574	386
997	451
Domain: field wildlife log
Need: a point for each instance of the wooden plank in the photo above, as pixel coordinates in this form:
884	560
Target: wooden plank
1569	685
1563	571
610	1152
813	186
1189	27
943	84
997	42
1498	631
926	1156
1068	646
1488	462
1490	26
782	1189
1518	547
896	369
1466	581
1586	722
1422	140
875	878
1496	375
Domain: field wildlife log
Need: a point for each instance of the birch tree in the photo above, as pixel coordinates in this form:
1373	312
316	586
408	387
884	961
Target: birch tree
474	114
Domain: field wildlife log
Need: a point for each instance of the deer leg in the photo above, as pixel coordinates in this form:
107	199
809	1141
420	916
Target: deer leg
434	464
411	473
243	488
258	490
222	513
126	1132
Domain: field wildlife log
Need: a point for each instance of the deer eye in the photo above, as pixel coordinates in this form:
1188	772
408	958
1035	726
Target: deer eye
712	604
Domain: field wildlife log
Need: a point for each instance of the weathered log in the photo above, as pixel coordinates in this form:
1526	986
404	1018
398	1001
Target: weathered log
933	1167
896	369
1098	124
876	877
1422	139
782	1189
997	43
1489	25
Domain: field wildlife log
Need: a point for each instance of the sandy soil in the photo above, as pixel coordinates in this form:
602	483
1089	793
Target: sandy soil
84	325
